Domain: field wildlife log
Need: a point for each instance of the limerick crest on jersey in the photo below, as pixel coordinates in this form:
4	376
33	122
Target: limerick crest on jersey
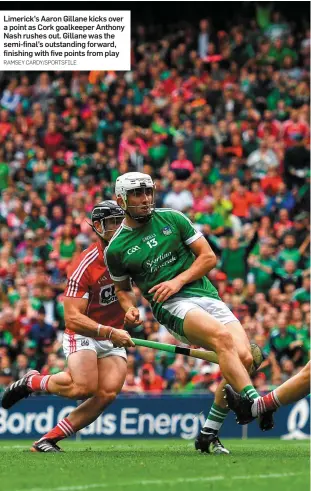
167	230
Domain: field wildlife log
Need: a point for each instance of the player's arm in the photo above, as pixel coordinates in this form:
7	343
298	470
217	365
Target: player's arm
127	300
125	294
123	287
77	321
199	246
205	261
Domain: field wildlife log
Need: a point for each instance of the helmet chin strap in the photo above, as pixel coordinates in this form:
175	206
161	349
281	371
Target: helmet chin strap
140	218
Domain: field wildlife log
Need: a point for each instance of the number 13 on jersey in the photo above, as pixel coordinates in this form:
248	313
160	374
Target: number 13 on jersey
152	243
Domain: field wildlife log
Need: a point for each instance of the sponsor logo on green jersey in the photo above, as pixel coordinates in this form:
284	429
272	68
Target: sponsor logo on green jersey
152	265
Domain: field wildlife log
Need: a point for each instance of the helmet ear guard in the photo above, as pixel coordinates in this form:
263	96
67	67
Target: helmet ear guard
123	205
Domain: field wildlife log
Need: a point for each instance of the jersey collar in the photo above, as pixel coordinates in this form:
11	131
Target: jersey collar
126	226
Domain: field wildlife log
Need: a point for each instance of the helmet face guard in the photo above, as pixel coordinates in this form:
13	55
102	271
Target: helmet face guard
107	213
129	209
105	228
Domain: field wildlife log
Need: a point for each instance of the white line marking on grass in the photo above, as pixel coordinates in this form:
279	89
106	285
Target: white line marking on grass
8	447
150	482
267	476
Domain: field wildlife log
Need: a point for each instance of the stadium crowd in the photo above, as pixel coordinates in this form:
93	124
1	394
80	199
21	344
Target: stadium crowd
220	120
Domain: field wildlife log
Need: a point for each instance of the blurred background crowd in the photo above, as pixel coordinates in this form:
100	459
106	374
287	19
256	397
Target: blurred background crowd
219	117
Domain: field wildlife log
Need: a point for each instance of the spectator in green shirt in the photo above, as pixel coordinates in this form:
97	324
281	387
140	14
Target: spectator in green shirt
43	245
302	295
289	273
35	361
302	332
158	152
34	221
275	28
279	94
4	172
278	52
81	159
209	172
212	223
196	146
182	381
6	337
108	126
290	251
263	57
234	257
262	268
282	340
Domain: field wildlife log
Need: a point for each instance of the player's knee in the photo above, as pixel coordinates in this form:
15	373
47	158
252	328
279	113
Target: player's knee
224	341
84	391
106	396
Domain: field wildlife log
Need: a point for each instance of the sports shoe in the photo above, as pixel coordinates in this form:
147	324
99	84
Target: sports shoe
241	406
45	445
17	391
266	421
208	442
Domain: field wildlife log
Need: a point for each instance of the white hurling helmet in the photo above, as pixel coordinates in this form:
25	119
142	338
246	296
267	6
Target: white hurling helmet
130	182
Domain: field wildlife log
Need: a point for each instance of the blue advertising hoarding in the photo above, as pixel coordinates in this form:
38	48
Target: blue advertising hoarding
145	417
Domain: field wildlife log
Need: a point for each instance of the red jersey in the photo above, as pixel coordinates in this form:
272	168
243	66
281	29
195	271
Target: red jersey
290	129
241	203
88	277
274	128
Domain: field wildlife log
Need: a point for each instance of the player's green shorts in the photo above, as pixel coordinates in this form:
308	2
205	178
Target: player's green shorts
173	312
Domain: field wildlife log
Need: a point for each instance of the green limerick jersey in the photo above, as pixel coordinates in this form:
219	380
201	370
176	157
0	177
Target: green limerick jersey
157	252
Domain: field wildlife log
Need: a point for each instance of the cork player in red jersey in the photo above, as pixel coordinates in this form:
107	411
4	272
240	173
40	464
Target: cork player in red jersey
95	352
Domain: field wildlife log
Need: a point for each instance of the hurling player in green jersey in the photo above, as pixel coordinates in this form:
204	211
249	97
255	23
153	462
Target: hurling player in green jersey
160	250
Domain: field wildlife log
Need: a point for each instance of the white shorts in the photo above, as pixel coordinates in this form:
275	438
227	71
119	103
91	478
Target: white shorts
175	311
76	342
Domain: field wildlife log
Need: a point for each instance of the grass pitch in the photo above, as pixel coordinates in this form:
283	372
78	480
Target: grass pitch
156	465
